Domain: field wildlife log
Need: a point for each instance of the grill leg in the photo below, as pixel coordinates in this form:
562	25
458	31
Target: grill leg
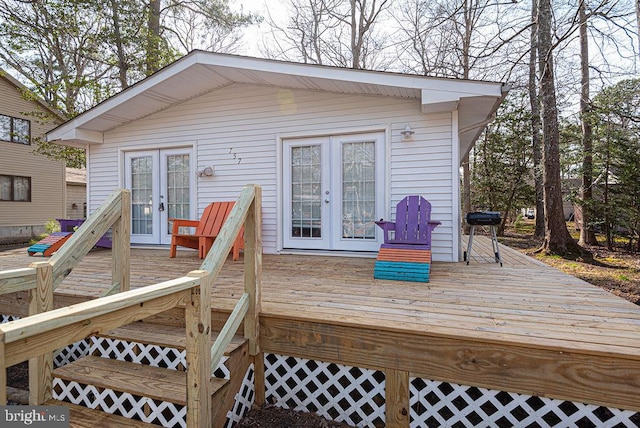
469	244
494	245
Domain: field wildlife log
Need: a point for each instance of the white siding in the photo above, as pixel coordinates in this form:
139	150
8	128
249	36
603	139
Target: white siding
237	131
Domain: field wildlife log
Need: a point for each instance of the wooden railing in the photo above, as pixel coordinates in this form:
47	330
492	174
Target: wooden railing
40	333
114	212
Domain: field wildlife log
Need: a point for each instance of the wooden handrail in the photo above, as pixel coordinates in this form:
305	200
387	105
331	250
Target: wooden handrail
115	211
41	333
228	331
247	211
32	335
14	280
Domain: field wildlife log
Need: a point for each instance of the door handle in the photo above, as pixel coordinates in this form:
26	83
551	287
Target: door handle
161	207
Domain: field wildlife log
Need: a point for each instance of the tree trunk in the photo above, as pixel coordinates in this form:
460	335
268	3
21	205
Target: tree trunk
466	192
153	37
535	125
557	239
587	236
122	60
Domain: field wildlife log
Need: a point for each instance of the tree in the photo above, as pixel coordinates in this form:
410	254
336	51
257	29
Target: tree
535	123
557	239
53	46
587	236
502	163
341	33
75	53
615	117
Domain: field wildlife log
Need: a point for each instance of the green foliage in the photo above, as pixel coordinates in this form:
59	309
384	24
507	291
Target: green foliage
51	226
502	162
616	122
72	156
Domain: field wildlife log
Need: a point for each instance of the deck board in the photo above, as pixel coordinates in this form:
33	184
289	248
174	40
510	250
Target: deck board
523	307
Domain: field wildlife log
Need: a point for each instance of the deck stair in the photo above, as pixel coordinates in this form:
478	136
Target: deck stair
138	371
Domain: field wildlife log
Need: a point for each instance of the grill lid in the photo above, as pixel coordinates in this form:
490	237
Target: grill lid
484	218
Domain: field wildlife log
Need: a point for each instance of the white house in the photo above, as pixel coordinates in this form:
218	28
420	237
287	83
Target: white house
326	144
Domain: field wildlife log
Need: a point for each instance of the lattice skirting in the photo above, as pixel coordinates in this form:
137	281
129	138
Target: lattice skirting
244	399
144	408
356	396
143	353
341	393
437	404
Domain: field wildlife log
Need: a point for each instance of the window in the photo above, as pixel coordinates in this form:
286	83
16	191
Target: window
14	188
15	130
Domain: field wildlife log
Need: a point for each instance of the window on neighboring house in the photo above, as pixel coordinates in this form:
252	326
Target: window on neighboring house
15	188
15	130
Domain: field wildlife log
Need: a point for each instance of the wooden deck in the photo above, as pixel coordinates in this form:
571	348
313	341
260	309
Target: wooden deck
523	327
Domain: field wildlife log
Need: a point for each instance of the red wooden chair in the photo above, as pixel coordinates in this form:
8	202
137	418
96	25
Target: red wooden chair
405	254
207	230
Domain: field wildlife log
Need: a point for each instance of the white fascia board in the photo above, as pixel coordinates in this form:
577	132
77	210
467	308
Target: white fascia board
120	98
436	101
75	137
467	87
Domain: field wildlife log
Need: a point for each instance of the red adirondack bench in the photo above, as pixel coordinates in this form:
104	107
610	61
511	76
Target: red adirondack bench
406	252
207	230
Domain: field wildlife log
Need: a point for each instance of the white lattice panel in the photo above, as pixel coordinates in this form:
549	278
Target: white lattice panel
121	403
345	394
71	353
437	404
244	399
142	353
8	318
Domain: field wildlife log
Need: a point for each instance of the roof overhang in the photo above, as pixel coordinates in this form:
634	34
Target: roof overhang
201	72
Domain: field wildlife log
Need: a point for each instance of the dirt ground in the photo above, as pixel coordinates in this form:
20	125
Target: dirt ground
616	271
270	416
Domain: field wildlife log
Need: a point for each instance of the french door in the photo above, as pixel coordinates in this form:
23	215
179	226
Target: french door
161	184
333	192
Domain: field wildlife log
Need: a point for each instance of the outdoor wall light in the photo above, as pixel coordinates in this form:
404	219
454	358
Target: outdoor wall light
407	132
207	172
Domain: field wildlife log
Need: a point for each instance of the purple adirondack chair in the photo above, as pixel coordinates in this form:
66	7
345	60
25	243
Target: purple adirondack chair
413	225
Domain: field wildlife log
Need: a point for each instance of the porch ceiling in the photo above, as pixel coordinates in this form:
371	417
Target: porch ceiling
201	72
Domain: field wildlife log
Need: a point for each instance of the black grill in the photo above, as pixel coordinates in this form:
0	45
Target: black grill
483	218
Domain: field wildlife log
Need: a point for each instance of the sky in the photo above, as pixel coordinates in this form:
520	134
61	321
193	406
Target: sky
275	8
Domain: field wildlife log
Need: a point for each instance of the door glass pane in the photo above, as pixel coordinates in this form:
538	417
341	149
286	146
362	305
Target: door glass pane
141	200
177	187
358	190
306	192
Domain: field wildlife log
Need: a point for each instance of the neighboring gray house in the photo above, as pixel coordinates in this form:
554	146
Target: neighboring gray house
32	187
326	144
76	180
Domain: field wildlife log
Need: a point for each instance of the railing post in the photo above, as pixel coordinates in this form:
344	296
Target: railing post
41	367
121	245
253	271
198	347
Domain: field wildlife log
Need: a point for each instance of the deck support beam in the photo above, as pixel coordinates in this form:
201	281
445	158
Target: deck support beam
583	377
397	398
